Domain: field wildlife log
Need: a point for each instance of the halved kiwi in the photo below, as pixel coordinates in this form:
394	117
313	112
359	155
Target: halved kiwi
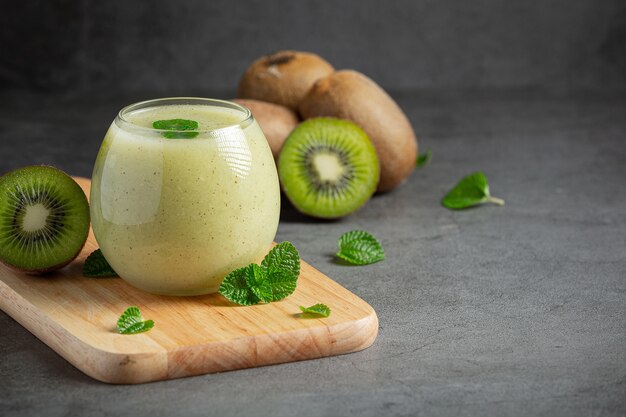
44	219
328	167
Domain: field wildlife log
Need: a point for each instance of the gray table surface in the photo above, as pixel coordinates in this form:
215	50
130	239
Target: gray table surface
515	310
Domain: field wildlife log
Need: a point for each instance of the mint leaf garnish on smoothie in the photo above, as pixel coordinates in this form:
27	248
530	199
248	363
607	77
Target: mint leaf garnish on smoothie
131	322
315	311
96	266
360	248
177	126
273	280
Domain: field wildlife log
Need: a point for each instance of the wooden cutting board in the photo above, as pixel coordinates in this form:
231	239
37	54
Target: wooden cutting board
76	316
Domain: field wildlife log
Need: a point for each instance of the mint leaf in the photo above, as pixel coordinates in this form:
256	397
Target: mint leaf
282	264
424	159
282	284
256	279
470	191
177	125
131	322
284	257
317	310
360	248
236	289
274	280
96	266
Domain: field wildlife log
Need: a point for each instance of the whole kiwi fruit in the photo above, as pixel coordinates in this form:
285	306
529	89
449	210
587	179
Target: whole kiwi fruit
276	121
350	95
44	219
283	77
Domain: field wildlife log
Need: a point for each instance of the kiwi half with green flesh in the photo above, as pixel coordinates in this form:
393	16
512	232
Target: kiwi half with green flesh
328	167
44	219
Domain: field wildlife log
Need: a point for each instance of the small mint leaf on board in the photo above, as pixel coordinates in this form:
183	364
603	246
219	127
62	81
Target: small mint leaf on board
177	126
131	322
424	158
317	310
96	266
236	289
275	279
360	248
471	191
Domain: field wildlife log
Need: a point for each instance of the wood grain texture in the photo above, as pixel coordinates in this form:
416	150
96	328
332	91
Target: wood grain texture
76	316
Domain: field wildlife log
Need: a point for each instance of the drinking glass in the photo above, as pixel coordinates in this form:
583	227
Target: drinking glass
175	210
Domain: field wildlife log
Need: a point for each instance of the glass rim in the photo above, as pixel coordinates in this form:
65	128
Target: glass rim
157	102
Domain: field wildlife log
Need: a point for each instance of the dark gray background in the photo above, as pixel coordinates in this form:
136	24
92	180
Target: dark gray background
74	47
512	311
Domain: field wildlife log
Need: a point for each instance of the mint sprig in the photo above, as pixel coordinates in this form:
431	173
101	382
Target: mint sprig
317	310
275	279
360	248
424	158
96	266
132	322
472	190
235	287
283	257
282	264
177	126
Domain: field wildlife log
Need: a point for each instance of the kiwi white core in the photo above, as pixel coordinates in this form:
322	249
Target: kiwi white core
328	167
35	218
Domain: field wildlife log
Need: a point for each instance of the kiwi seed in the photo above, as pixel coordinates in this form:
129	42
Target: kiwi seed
328	168
44	219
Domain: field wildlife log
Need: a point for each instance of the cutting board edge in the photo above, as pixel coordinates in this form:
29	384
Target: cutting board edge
141	367
265	347
89	359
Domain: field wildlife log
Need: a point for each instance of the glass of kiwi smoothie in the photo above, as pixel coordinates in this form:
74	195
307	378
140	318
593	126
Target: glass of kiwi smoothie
184	191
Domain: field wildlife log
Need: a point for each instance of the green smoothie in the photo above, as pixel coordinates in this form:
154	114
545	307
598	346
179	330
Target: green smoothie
174	216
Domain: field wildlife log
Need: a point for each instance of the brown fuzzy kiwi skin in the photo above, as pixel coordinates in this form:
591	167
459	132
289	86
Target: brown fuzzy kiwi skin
276	121
283	77
350	95
53	267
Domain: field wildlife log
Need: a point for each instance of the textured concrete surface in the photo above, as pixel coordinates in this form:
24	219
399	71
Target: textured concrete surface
495	311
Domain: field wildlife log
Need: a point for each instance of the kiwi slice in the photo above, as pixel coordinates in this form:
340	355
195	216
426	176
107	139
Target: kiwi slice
44	219
328	167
